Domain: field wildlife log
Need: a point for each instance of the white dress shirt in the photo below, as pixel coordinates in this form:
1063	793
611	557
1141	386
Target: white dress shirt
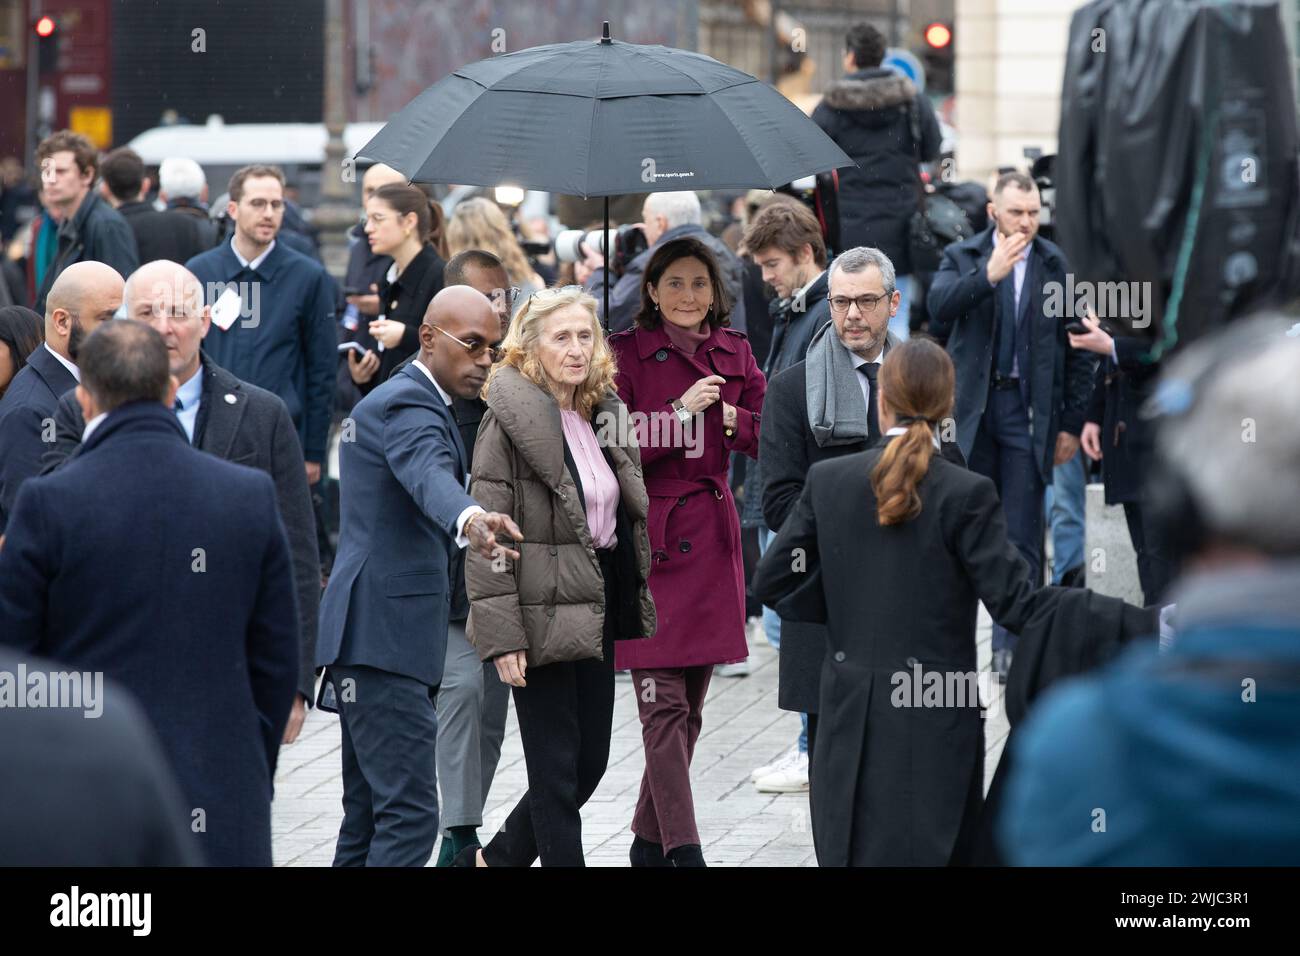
92	425
461	540
254	263
76	372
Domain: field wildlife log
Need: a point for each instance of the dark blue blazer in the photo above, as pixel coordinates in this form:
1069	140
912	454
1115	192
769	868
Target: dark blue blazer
401	488
30	401
286	340
167	569
1055	380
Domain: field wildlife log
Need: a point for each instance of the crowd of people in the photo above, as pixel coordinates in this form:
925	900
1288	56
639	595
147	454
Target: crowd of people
534	497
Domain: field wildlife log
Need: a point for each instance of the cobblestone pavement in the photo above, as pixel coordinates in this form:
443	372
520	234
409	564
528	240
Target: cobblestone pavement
739	826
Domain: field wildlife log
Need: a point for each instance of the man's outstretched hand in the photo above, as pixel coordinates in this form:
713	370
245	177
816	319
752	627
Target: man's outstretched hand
483	530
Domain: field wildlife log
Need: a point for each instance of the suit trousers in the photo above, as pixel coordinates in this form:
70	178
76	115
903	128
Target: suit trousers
1004	452
390	787
471	706
670	702
566	713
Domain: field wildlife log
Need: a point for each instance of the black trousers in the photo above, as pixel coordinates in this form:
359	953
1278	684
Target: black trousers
566	713
1155	567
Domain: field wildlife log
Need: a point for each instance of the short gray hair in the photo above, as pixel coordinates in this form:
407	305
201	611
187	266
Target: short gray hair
858	259
680	208
181	178
1237	446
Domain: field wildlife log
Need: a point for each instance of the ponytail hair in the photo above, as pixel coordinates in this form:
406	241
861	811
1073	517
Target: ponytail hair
430	224
917	383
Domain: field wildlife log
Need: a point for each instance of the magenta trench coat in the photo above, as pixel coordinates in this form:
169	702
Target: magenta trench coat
696	575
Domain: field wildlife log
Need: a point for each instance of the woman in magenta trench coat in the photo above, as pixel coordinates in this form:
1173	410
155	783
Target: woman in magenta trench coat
680	355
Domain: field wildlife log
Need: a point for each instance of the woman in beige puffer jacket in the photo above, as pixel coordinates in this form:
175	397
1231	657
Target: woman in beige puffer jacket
555	451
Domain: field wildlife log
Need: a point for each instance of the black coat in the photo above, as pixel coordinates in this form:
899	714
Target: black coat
95	233
867	114
787	450
898	785
27	405
164	235
87	792
168	570
1126	438
404	300
1058	384
254	430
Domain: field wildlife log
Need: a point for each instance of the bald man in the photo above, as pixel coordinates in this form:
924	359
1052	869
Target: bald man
405	518
85	295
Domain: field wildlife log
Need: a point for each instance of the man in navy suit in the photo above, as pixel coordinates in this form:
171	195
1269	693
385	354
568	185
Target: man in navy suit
167	570
405	516
84	295
1022	392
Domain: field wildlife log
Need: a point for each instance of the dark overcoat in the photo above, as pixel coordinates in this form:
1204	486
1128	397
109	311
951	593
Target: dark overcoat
898	780
167	570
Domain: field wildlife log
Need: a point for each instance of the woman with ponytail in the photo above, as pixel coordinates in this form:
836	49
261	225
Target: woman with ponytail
894	549
401	222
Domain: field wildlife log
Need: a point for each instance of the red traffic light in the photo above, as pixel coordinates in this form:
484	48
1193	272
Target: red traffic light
45	27
938	35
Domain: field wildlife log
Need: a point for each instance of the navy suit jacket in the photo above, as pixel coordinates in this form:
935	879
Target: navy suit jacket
401	488
28	404
1055	380
167	569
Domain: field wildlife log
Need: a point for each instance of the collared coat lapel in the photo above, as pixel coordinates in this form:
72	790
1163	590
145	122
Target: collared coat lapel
222	417
414	373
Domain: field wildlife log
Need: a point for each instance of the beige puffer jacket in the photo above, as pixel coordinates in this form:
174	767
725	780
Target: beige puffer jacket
551	601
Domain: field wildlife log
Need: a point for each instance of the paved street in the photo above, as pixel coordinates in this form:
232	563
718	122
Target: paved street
738	825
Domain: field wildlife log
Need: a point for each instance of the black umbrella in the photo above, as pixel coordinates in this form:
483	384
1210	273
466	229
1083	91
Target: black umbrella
603	118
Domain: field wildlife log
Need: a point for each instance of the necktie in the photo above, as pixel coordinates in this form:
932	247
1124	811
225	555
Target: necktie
873	417
1006	324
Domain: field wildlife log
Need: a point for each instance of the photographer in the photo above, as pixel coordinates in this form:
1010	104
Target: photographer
665	217
1191	750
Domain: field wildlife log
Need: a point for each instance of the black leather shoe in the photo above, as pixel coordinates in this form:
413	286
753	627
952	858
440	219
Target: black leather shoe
467	856
687	855
645	853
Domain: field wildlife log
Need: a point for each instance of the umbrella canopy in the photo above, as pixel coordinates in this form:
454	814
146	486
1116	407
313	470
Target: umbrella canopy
602	118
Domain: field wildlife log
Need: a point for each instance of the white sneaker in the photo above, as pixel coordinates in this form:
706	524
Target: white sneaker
739	669
789	758
754	634
791	779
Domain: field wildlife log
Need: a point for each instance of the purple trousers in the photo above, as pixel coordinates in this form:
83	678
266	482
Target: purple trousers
670	702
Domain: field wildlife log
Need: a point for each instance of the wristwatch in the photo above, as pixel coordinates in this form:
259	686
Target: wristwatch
683	415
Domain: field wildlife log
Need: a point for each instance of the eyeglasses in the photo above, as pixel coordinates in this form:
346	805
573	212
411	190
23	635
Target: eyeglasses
511	295
866	303
477	348
555	290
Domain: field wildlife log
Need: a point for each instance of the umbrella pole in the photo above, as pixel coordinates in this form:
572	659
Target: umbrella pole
607	265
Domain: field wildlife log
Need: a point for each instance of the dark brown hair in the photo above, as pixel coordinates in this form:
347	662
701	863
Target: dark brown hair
666	255
256	170
123	173
82	149
23	331
429	220
788	227
1019	180
916	382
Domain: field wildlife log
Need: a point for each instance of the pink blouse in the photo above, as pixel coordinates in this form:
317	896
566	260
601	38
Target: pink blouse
599	486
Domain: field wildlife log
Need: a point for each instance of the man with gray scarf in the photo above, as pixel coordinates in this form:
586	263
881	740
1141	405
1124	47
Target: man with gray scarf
824	407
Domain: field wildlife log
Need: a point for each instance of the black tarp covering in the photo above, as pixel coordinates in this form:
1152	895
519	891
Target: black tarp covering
1177	161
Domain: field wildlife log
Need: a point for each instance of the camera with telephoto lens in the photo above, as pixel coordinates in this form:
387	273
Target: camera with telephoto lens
573	245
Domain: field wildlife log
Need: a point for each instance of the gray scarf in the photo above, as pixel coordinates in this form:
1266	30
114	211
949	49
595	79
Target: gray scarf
836	412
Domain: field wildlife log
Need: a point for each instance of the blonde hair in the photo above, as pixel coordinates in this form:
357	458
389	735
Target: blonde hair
520	346
479	223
